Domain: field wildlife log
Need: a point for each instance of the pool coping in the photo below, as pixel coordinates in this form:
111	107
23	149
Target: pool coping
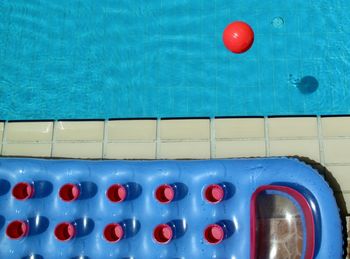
323	139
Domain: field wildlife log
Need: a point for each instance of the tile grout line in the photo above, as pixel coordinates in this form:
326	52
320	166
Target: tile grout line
266	136
320	140
343	192
212	138
3	138
337	164
293	138
53	137
58	141
157	140
105	139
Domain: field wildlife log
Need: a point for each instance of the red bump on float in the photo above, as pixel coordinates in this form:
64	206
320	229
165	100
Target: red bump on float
164	193
116	193
64	231
163	234
214	234
23	191
69	192
113	232
17	229
214	193
238	37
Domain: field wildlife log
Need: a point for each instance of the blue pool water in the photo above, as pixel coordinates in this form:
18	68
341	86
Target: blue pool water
107	59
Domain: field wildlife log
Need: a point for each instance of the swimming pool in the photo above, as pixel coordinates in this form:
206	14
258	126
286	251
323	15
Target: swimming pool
118	59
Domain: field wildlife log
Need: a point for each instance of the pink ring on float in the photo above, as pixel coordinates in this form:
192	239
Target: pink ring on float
17	229
116	193
163	234
113	232
69	192
64	231
214	234
22	191
164	193
214	193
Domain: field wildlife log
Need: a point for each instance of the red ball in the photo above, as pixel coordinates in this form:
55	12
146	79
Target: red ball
238	37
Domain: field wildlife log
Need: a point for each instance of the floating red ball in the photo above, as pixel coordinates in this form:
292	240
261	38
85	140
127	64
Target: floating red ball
238	37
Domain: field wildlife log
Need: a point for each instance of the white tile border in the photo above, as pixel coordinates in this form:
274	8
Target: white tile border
105	139
29	132
187	135
239	128
179	130
320	139
193	138
158	140
293	127
79	131
212	138
267	138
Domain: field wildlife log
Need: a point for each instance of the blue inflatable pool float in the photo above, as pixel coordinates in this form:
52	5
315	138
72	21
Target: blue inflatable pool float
224	209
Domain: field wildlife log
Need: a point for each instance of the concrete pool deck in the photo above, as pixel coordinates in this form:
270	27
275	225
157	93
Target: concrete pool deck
324	140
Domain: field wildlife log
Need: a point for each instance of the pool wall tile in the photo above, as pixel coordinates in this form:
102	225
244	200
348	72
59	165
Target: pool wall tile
1	130
27	149
347	200
292	147
290	127
135	130
79	130
343	197
92	150
29	131
240	148
130	150
185	150
336	126
342	173
337	151
185	129
237	128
